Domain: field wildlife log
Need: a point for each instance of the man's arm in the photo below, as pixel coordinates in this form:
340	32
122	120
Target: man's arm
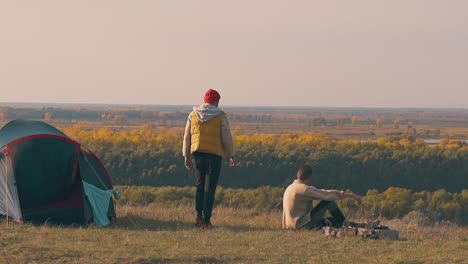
349	194
187	143
330	195
319	194
226	138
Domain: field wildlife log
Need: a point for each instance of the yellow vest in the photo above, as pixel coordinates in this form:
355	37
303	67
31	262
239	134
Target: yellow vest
206	136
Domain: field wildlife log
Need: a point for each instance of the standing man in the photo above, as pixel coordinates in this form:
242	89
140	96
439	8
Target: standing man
208	139
298	212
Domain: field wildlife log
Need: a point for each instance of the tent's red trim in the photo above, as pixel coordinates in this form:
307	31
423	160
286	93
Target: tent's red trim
23	139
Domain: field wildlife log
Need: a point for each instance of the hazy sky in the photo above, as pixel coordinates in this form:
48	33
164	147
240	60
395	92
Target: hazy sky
392	53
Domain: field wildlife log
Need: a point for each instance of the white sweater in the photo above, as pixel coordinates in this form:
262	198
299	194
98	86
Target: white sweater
297	203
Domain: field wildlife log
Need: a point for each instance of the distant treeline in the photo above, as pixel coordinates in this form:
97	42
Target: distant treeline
153	157
166	118
116	116
428	207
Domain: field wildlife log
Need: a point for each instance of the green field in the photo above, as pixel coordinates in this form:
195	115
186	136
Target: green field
166	235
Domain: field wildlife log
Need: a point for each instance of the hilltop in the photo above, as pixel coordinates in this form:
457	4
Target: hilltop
166	235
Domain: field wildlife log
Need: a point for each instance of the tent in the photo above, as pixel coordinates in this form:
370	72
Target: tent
47	177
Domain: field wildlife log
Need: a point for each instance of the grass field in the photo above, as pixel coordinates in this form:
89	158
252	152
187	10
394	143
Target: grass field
167	235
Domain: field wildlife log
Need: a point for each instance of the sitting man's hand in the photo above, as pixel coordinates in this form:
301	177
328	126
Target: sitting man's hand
356	197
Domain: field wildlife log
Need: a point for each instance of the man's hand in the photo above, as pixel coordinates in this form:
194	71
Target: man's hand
356	197
188	163
232	162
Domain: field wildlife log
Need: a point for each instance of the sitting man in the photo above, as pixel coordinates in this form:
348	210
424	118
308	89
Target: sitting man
297	204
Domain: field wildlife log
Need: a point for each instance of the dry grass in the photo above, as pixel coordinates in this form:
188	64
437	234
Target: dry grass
167	235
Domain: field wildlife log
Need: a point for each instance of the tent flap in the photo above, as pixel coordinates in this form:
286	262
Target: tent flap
100	202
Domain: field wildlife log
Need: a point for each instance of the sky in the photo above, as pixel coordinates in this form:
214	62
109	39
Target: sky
333	53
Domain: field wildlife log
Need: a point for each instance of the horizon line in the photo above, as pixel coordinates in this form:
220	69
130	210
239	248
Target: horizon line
239	106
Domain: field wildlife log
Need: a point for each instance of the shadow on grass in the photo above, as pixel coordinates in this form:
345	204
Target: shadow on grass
135	222
208	260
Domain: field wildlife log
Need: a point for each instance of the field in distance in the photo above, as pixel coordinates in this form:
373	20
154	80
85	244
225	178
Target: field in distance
340	123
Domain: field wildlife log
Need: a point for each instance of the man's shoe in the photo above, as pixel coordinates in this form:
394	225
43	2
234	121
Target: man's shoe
200	222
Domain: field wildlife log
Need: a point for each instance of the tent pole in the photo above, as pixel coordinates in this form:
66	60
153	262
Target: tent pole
95	173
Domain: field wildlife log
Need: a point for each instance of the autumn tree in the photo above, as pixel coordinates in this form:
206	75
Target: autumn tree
120	118
379	122
3	116
48	116
396	123
354	120
147	115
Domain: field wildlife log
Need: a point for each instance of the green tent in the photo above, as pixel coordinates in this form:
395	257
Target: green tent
46	176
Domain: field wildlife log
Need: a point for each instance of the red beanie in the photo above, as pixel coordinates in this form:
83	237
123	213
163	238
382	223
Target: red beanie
212	96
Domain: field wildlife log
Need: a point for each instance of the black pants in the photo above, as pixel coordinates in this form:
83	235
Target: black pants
208	169
317	215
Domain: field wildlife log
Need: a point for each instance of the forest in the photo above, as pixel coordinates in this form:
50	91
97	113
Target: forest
152	157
